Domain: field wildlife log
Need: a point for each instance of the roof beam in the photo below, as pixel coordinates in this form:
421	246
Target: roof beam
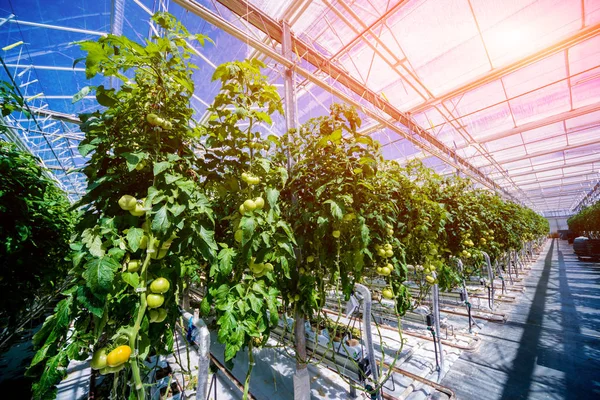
578	112
587	174
594	140
568	164
273	29
55	115
45	67
498	73
55	27
555	194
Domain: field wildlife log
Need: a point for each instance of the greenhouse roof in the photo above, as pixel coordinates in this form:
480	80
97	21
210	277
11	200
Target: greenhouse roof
507	92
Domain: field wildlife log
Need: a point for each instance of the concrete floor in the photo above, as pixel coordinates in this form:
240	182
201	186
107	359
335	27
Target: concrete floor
550	346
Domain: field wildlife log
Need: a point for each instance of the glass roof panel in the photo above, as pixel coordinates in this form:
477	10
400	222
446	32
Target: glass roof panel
541	73
541	103
503	143
543	132
440	42
514	28
552	143
592	12
488	121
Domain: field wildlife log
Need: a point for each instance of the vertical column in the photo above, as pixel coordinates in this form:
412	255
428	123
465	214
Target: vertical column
301	377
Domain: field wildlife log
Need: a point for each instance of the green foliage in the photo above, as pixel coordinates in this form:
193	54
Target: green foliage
336	207
240	283
10	102
586	221
35	228
141	145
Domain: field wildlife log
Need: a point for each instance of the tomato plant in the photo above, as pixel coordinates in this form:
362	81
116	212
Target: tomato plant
255	242
146	219
35	229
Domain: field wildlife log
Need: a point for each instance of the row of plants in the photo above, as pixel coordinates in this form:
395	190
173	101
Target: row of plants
35	227
267	225
587	221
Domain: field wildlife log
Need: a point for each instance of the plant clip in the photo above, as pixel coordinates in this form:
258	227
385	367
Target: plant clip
140	289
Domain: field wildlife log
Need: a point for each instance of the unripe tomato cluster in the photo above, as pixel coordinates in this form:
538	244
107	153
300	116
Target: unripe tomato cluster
155	120
251	205
112	362
385	251
250	179
155	299
259	269
133	205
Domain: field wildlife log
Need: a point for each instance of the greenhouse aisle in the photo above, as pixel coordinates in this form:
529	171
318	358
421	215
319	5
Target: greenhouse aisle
550	346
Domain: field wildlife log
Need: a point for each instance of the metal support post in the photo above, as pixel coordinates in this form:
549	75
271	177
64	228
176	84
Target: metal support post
438	331
368	334
490	277
466	298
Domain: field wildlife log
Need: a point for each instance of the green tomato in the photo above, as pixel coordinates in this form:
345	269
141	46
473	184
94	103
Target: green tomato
389	253
141	165
160	285
127	202
430	279
238	236
99	359
155	300
336	234
152	118
162	315
134	265
153	314
112	370
381	252
310	259
143	242
249	205
138	210
242	209
259	202
388	294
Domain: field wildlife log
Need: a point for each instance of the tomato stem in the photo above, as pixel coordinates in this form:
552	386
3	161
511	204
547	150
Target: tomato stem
139	387
250	366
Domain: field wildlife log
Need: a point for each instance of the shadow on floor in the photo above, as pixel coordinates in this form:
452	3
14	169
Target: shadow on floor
520	377
554	340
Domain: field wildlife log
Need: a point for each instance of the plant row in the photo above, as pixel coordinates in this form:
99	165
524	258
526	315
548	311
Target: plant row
267	224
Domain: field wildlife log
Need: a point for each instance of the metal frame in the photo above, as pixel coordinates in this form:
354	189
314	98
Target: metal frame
329	75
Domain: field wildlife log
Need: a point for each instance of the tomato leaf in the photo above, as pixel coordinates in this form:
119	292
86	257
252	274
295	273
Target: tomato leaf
134	159
134	236
160	220
248	225
272	196
100	273
131	278
335	209
226	257
92	303
160	167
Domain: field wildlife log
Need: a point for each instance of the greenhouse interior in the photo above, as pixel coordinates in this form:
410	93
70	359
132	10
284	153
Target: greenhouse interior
300	199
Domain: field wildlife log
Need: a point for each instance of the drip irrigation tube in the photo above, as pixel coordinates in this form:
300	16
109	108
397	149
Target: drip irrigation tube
470	348
440	388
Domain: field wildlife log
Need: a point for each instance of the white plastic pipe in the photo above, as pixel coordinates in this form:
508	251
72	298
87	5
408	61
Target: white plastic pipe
368	335
203	343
